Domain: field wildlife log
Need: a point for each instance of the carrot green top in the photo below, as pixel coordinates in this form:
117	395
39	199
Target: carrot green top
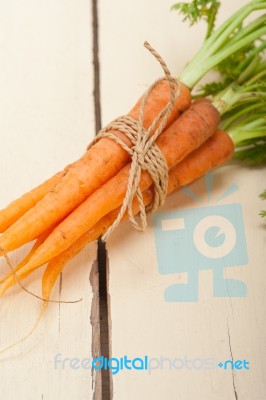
229	38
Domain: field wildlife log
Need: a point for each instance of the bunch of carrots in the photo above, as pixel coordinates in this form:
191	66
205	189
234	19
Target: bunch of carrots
78	205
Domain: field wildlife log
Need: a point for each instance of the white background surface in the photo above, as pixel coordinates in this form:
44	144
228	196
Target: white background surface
46	121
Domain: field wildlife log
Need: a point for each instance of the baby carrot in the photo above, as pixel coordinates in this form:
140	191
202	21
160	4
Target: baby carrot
214	152
37	244
101	162
18	207
186	134
10	279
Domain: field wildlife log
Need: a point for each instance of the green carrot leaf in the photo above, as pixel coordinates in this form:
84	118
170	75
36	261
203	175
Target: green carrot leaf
253	153
263	197
198	10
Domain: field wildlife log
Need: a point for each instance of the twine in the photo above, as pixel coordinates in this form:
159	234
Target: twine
145	154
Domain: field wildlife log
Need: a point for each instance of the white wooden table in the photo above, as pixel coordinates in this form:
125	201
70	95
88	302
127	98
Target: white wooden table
185	320
47	119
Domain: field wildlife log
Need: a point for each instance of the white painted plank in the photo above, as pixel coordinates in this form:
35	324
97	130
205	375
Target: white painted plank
46	122
208	329
144	323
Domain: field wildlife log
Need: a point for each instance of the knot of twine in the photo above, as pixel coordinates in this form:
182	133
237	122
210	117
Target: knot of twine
145	154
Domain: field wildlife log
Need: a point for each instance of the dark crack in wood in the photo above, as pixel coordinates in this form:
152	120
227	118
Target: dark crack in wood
232	358
103	331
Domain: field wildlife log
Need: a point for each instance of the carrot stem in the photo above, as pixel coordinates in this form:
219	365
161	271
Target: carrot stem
226	40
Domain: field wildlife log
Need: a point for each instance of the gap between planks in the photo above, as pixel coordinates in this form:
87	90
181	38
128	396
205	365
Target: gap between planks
99	279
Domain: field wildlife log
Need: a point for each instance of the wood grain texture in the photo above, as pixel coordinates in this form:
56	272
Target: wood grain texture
46	122
142	321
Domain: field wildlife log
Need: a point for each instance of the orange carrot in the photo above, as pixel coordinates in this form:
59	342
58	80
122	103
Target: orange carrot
55	266
37	244
199	122
18	207
101	162
214	152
